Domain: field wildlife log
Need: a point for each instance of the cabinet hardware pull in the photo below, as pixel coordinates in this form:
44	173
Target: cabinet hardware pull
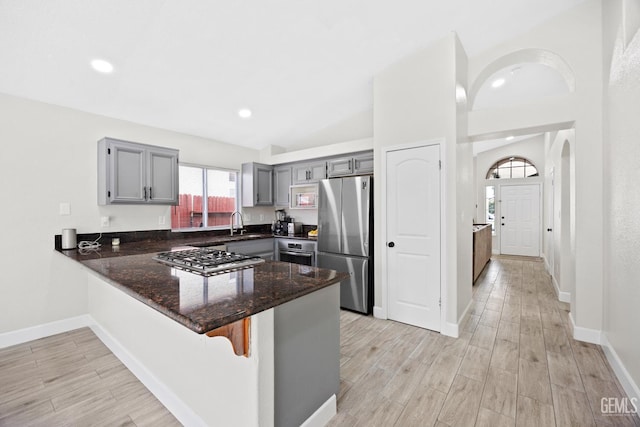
150	193
349	165
145	192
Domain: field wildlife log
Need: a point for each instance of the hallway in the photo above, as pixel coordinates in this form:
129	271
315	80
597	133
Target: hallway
515	363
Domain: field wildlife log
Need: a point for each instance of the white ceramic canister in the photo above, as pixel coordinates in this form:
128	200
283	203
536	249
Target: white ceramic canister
69	238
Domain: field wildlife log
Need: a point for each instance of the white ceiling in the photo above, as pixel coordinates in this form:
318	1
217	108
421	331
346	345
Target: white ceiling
188	66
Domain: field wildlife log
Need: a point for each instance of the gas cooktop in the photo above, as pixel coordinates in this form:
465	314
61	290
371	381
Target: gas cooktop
207	261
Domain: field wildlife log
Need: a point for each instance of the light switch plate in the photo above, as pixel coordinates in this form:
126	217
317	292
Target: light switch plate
105	221
65	208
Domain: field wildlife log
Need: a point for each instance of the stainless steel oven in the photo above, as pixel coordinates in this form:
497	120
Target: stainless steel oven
296	251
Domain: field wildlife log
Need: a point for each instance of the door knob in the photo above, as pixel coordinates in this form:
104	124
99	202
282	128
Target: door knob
391	244
503	223
549	229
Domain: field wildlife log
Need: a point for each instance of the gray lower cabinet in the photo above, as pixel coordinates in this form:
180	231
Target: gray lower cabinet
282	182
352	165
306	355
264	248
305	173
257	184
132	173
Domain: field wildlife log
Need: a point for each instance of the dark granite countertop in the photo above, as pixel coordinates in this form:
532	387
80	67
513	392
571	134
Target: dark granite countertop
202	303
127	248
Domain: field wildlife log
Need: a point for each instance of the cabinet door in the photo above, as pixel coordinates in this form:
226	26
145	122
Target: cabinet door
317	171
162	181
263	184
282	183
301	174
363	164
127	173
340	167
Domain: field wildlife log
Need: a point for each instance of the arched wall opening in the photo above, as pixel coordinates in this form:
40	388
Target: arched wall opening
519	78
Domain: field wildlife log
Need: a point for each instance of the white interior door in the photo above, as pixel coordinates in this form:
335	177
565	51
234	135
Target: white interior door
520	220
413	236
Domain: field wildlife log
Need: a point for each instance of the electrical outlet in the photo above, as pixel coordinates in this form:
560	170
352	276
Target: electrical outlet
261	217
161	220
105	221
65	208
247	217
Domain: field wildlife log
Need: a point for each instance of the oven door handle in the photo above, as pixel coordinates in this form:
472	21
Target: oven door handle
305	254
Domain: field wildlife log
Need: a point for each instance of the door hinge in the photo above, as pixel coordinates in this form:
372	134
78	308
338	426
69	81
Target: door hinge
440	164
108	193
439	302
108	150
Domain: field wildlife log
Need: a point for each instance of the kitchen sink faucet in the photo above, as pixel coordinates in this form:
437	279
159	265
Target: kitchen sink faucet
231	223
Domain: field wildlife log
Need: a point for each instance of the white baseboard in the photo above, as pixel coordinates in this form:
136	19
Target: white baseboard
168	398
379	312
562	296
465	312
453	329
20	336
323	414
629	385
593	336
450	329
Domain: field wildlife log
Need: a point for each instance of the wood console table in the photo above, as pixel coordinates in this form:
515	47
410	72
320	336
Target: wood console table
481	248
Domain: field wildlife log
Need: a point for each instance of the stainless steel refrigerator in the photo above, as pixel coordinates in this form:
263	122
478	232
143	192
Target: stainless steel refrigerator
345	237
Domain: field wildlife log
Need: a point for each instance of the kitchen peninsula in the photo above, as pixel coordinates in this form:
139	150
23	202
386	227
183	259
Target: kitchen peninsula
161	318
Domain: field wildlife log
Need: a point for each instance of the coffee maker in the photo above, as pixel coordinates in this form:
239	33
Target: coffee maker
281	224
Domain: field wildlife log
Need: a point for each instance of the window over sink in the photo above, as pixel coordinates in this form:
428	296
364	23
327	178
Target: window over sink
207	197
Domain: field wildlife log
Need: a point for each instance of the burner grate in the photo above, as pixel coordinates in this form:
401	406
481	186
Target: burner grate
207	261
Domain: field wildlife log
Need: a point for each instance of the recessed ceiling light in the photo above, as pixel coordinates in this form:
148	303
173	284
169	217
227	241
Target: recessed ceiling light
102	66
498	82
510	138
244	113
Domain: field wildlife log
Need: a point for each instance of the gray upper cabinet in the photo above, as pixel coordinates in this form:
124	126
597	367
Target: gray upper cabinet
363	164
353	165
282	177
132	173
257	185
304	173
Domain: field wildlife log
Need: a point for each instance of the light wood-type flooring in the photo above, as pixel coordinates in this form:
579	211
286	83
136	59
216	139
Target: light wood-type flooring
514	364
72	379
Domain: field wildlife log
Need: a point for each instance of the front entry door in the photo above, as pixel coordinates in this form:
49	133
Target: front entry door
413	236
520	220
